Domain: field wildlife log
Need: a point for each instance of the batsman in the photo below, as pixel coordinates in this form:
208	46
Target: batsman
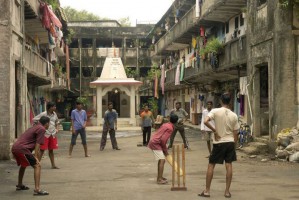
157	144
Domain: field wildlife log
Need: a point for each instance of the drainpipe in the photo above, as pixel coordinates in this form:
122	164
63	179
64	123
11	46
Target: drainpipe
250	110
249	103
297	80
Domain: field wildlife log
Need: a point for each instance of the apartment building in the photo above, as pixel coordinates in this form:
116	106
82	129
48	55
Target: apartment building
33	62
202	46
93	42
257	65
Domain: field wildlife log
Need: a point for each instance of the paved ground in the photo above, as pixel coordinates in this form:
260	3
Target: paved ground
130	174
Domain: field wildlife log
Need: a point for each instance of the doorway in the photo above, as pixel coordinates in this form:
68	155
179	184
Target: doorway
264	100
114	97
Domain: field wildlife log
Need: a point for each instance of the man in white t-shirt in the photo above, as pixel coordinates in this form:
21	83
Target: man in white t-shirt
224	142
207	133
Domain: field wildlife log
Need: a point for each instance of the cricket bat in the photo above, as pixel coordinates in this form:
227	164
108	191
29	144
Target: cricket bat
169	160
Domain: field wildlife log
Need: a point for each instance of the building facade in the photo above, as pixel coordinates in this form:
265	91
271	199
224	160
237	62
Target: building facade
95	41
258	63
28	76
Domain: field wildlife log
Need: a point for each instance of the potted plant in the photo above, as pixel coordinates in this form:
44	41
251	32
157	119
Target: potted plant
66	124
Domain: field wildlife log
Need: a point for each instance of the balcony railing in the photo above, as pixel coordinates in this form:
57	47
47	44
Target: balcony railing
38	66
176	31
211	10
59	83
109	52
235	54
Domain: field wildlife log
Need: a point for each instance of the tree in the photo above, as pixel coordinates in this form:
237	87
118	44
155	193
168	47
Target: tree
83	15
80	15
125	22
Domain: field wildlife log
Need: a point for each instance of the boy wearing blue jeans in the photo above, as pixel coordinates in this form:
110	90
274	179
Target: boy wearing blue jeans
79	119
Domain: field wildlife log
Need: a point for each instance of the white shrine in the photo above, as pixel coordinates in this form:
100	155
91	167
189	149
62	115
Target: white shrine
114	86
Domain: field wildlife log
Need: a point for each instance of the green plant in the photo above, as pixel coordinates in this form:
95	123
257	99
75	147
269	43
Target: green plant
244	10
286	4
213	46
68	106
70	35
131	73
53	3
153	104
84	101
57	70
153	72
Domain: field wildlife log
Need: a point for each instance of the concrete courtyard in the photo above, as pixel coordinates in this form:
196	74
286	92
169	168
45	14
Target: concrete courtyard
130	174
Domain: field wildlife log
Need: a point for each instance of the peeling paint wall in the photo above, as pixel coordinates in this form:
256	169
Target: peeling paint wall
272	45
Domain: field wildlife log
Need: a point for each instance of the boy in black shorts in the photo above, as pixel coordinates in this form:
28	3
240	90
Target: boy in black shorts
225	136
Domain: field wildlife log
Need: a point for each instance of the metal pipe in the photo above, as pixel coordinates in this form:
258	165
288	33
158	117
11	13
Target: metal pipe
250	110
80	66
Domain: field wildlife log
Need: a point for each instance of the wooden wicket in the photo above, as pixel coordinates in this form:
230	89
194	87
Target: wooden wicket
177	159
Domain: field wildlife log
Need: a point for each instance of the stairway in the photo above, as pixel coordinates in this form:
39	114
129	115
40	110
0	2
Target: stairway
123	122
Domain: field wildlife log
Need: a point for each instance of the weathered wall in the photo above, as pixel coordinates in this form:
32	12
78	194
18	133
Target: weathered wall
5	64
271	43
284	87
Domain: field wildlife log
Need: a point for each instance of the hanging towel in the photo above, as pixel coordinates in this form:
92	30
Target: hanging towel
182	71
202	31
177	75
194	42
162	78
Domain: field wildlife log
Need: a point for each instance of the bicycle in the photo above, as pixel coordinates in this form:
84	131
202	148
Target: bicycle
244	134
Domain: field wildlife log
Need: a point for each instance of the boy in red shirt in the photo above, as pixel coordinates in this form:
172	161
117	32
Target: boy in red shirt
158	145
22	149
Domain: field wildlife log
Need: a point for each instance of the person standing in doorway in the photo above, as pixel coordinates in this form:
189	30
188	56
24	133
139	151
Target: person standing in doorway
207	133
79	118
147	120
179	126
224	144
158	145
110	125
50	136
22	149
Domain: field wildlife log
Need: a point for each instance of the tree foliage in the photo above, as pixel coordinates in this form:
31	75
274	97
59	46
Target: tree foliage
153	72
83	15
80	15
125	21
286	4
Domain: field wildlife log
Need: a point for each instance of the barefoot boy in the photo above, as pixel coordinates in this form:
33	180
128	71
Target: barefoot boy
158	145
22	149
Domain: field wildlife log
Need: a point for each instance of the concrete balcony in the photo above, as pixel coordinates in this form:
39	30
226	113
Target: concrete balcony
110	52
221	10
212	11
86	90
173	39
59	83
232	63
31	9
40	71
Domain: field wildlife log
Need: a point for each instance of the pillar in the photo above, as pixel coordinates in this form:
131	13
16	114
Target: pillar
99	106
132	105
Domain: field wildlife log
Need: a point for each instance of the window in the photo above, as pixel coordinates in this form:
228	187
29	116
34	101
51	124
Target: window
223	29
236	22
241	20
226	27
